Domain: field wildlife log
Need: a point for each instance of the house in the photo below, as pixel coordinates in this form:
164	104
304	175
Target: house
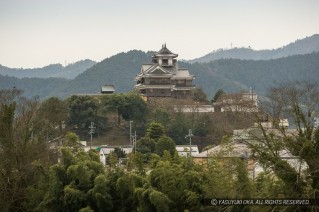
238	148
107	89
186	150
163	77
241	102
106	150
194	108
229	151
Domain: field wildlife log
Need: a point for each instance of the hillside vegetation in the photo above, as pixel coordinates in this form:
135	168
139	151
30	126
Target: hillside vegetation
227	74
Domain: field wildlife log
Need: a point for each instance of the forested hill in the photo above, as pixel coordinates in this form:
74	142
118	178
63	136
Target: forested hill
54	70
119	70
303	46
228	74
235	74
32	87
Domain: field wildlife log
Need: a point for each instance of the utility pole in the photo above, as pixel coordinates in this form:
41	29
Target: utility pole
134	142
131	142
91	132
190	141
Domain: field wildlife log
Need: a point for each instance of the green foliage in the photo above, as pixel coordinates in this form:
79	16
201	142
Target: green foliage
178	128
151	200
128	106
145	145
112	159
155	131
181	183
119	152
160	116
217	95
100	193
165	143
54	110
198	95
137	161
202	125
82	111
134	108
297	101
72	140
23	152
150	182
72	182
52	118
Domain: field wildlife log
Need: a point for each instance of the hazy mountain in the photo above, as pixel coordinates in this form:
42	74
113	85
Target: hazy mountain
32	87
118	70
54	70
304	46
229	74
234	74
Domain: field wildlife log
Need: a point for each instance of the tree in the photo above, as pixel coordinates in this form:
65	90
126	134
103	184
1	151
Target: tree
181	183
82	111
297	101
165	143
114	103
160	115
55	111
125	187
199	95
72	140
218	94
145	145
23	151
76	182
178	128
135	108
202	125
120	153
155	130
151	200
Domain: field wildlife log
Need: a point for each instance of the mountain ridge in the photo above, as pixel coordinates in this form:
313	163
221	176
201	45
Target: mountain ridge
52	70
231	75
300	46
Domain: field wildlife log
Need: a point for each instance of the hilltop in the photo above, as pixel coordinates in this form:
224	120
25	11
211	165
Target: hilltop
299	47
53	70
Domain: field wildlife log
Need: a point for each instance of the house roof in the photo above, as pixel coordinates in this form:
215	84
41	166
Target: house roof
185	148
155	86
234	149
107	88
107	150
165	52
183	73
151	69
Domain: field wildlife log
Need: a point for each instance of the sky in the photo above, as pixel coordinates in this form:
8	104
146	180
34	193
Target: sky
35	33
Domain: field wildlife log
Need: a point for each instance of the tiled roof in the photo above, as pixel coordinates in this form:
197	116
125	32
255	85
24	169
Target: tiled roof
182	73
155	86
165	51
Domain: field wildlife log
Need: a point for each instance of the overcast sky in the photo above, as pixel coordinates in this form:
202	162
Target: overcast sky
35	33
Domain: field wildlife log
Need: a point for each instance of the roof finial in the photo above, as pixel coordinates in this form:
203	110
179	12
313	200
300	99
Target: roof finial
164	45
